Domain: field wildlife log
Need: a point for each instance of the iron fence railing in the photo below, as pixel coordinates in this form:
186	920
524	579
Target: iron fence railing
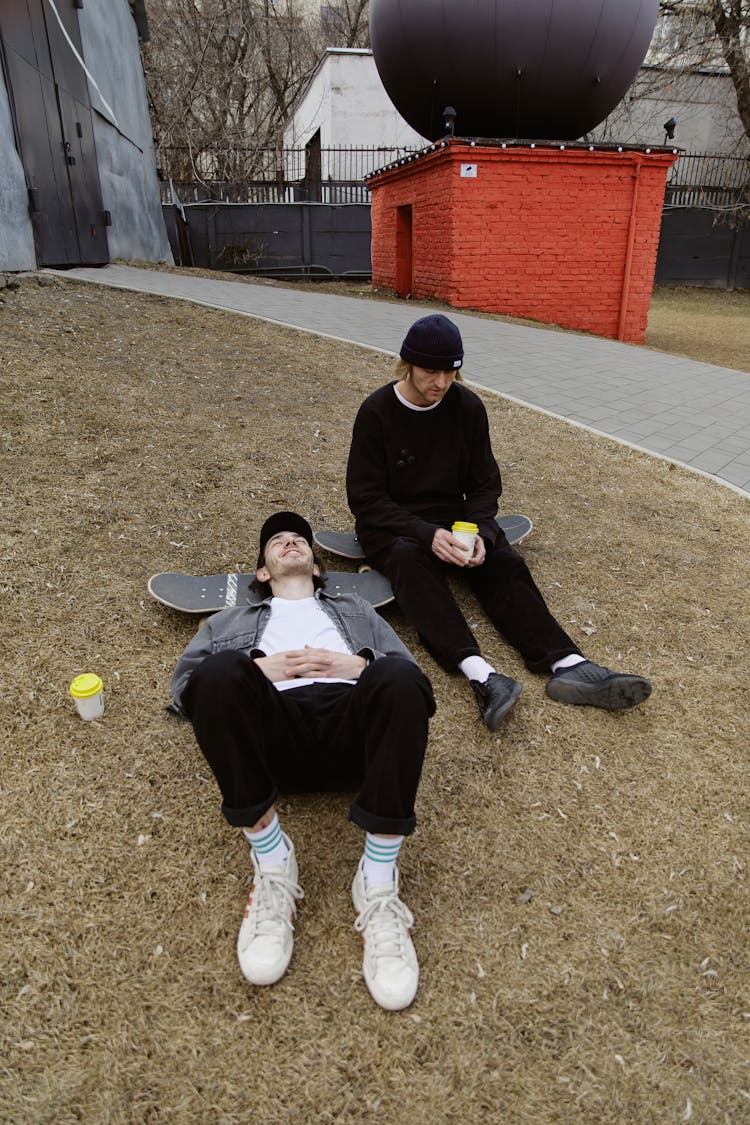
711	180
257	175
335	175
259	191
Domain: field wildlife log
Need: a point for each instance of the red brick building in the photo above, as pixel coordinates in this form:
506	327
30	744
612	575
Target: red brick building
562	234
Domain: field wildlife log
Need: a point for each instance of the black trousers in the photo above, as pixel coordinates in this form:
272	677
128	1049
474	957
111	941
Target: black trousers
369	738
504	588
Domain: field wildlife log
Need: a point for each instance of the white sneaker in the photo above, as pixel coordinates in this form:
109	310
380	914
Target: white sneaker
266	938
389	966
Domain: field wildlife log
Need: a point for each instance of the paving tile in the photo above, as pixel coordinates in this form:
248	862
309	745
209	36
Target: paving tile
737	474
712	460
736	444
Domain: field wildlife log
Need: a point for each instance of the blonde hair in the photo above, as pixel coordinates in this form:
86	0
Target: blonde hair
403	371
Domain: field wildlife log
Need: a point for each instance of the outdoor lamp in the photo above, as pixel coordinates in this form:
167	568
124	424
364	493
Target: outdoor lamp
449	115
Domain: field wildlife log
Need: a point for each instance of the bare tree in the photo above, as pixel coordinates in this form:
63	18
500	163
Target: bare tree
222	76
714	32
354	24
731	18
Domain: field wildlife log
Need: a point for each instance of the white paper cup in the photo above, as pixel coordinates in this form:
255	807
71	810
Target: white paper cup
88	692
467	534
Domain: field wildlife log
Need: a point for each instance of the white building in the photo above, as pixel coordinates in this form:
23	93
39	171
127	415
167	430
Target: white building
345	105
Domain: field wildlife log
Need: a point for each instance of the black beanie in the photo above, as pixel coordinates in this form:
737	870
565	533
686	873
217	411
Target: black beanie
434	343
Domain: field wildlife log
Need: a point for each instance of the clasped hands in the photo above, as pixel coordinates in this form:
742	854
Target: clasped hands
311	663
449	550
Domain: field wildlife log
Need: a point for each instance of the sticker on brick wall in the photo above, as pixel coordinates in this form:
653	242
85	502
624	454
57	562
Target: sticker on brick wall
468	171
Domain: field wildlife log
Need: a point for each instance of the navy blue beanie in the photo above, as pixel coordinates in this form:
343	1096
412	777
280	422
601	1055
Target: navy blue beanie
433	342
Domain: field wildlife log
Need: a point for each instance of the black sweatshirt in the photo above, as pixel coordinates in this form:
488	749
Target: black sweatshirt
410	472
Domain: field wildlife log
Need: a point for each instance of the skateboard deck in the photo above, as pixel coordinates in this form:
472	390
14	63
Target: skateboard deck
212	592
346	544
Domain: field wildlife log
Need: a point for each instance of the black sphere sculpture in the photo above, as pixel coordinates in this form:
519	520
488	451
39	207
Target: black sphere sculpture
530	69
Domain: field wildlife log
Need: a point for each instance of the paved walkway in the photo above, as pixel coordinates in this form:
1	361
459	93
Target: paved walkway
688	412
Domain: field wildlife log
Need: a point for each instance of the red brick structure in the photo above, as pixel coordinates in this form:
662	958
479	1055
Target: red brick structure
562	234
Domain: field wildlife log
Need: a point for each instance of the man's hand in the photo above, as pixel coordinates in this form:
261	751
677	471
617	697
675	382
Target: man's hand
450	550
311	663
480	552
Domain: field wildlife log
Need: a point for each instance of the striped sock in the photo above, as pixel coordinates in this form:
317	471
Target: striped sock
379	864
269	844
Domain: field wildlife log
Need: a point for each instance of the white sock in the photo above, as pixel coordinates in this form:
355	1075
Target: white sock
568	662
476	668
381	853
269	845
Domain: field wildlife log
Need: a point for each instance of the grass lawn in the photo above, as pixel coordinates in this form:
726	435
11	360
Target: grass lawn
579	880
712	325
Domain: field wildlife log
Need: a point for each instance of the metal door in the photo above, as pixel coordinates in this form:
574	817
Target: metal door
54	130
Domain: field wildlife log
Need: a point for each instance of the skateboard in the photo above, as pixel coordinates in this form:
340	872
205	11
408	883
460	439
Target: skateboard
212	592
346	544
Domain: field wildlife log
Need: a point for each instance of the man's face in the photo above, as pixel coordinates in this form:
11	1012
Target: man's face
287	552
426	387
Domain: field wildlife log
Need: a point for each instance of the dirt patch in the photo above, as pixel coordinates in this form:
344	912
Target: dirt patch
579	882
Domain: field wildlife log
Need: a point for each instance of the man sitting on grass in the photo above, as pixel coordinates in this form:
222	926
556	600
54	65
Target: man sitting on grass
420	459
306	692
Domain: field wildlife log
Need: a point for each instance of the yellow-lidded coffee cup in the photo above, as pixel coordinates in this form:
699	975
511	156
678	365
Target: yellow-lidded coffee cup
467	533
88	692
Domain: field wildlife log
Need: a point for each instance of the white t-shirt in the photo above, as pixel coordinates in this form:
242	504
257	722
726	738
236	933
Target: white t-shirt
295	623
413	405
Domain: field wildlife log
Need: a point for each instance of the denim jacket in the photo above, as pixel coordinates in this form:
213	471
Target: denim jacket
364	631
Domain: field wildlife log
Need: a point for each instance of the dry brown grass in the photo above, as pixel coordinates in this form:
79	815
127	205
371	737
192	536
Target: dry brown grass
579	883
712	325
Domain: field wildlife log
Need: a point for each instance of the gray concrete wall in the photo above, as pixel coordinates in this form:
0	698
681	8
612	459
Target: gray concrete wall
122	130
16	233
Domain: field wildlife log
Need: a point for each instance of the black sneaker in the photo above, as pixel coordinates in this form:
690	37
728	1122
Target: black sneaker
590	685
496	697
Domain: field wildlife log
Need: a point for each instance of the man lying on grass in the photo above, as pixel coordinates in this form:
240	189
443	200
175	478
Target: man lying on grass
306	692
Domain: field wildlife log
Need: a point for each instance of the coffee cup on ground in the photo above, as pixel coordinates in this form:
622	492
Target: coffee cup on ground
467	534
88	692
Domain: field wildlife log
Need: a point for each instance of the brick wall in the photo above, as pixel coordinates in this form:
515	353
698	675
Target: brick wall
564	236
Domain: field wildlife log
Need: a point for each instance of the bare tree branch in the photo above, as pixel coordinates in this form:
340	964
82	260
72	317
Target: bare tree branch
225	73
711	32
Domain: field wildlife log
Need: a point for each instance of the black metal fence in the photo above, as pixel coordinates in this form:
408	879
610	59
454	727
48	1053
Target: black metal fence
701	246
237	224
271	239
266	191
335	175
709	180
291	175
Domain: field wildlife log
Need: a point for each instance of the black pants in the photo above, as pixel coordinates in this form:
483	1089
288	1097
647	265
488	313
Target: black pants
504	588
369	738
